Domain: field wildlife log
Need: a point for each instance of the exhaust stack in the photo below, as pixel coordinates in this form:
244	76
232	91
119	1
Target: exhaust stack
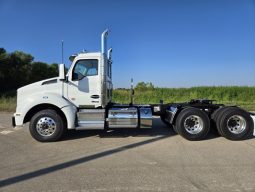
109	54
104	41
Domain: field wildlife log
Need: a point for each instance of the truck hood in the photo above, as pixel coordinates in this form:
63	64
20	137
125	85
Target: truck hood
41	87
38	84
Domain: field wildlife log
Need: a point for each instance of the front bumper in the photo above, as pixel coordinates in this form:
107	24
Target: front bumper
13	122
17	120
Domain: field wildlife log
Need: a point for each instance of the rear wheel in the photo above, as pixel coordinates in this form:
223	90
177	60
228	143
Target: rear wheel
168	124
236	124
216	116
192	124
46	125
175	129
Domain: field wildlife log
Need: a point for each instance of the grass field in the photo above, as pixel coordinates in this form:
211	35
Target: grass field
7	103
241	96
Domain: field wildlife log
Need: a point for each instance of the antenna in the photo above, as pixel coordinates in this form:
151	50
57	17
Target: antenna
62	47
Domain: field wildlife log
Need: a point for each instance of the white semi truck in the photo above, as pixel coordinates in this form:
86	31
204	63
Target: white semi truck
82	100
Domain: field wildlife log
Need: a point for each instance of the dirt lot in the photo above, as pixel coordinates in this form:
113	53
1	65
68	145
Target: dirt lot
124	160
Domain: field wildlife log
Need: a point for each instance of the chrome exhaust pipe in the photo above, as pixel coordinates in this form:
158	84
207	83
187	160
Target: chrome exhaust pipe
109	54
104	42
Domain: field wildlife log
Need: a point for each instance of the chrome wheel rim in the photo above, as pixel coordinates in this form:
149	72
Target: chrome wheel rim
236	124
193	124
46	126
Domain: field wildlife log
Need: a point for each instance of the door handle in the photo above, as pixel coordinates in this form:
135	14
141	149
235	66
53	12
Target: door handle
94	96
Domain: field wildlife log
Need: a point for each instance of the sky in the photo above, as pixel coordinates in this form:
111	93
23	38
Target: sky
171	43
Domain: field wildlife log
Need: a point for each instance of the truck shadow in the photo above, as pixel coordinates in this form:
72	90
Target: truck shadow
158	129
47	170
157	134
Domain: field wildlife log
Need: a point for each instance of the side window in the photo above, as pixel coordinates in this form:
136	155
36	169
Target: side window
86	67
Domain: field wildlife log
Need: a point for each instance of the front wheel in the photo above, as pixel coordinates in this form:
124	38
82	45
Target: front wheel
46	126
193	124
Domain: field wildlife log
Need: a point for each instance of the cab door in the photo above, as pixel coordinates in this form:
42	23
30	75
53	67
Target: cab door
83	87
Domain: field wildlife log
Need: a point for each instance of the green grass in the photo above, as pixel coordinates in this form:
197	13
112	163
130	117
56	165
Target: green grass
7	103
241	96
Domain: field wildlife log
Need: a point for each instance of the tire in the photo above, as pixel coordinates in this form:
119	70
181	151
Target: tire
236	124
175	129
219	117
47	126
193	124
168	124
216	116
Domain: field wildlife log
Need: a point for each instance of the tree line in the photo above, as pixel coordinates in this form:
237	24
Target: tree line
18	69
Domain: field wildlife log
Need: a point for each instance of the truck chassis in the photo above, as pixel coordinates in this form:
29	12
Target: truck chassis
81	100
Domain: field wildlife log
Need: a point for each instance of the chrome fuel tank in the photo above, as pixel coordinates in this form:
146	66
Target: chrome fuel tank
129	117
123	117
145	117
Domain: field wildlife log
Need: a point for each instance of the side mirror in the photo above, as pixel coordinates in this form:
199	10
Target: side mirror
61	72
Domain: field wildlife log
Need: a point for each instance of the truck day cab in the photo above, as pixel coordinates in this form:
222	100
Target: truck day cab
82	100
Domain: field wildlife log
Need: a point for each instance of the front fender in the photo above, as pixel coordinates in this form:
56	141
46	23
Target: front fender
24	106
